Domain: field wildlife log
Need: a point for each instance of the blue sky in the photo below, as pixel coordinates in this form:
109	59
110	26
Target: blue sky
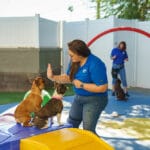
50	9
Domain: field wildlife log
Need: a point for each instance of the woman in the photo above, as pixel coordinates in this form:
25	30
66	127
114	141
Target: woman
88	75
119	56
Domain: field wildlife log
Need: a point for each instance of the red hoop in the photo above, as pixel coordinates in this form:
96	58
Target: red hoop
118	29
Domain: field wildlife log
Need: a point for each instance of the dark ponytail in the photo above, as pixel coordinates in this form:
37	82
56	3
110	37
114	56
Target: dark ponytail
80	48
73	70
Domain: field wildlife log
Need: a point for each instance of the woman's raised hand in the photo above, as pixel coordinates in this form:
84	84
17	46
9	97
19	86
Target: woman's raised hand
49	72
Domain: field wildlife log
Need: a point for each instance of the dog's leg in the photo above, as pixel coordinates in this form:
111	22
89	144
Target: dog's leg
51	121
59	118
46	125
26	122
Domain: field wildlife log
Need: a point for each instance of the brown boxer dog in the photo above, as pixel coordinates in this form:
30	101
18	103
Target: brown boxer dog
31	104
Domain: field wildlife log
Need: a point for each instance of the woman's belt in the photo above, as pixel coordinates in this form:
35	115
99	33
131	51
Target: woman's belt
118	66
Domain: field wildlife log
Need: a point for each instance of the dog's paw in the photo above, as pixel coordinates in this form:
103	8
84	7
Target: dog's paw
60	124
45	127
27	124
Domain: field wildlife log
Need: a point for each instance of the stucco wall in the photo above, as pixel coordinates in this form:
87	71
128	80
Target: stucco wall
19	60
19	66
52	56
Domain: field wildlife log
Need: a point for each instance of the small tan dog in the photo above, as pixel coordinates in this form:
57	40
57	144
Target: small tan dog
31	104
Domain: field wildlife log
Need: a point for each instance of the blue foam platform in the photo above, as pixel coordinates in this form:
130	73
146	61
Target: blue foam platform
10	134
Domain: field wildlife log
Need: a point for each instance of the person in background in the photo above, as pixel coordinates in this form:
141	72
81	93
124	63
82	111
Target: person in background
87	73
119	56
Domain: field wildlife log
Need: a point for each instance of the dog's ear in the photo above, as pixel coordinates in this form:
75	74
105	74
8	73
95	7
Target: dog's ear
37	81
65	87
56	84
62	89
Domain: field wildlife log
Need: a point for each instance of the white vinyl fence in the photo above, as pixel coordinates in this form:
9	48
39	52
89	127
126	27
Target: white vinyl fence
138	46
39	32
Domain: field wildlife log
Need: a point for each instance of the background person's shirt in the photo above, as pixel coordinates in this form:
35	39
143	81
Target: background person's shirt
93	71
121	55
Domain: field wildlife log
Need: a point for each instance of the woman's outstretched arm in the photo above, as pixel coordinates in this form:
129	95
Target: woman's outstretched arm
64	78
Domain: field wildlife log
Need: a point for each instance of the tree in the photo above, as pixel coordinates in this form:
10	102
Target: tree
98	8
127	9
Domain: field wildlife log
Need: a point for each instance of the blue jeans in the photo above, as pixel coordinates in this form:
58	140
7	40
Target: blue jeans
88	110
122	73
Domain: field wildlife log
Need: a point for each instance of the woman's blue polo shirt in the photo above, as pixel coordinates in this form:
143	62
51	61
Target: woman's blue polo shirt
93	71
121	55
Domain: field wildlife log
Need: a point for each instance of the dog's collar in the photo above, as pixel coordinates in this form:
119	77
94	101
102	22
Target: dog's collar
57	97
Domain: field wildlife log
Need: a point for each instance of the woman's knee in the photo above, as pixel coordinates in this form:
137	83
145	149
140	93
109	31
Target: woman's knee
74	122
91	114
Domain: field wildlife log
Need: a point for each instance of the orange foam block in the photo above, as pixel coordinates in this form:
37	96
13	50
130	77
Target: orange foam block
65	139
